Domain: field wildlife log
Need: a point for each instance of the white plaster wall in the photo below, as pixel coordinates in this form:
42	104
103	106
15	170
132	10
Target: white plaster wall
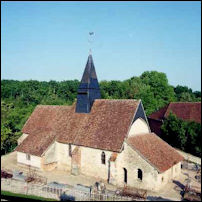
91	166
91	162
22	138
138	127
50	156
34	161
62	152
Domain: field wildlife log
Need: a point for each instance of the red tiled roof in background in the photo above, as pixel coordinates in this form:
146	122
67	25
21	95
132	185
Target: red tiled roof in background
188	111
105	127
158	115
155	151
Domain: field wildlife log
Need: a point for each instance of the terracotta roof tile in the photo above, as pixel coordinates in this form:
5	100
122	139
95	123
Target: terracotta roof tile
105	127
156	151
188	111
37	143
159	115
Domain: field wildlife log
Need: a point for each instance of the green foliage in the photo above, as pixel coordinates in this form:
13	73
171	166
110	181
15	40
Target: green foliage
185	94
163	92
12	120
183	135
193	144
173	131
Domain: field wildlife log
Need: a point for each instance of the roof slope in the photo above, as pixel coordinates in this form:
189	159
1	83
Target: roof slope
105	127
36	144
188	111
159	115
41	129
89	78
156	151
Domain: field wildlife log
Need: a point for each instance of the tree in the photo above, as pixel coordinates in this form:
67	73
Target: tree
193	144
173	131
162	91
185	94
182	134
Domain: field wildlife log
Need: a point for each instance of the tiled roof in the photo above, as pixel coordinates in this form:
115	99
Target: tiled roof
105	127
37	143
159	115
156	151
188	111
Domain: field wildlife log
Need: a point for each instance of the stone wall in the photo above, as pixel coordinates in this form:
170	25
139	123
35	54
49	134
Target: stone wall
151	179
34	161
132	161
50	156
169	175
87	161
76	161
64	160
91	162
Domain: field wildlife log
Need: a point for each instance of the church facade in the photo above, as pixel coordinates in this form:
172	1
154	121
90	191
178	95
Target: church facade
107	139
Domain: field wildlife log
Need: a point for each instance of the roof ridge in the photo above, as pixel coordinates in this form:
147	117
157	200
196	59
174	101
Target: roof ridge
40	105
117	99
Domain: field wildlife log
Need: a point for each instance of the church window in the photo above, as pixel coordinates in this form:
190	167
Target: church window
70	150
139	174
28	157
125	175
103	158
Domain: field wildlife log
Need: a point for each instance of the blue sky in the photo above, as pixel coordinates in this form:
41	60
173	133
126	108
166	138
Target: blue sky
49	40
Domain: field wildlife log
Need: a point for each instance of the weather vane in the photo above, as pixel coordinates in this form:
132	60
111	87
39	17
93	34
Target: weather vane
90	41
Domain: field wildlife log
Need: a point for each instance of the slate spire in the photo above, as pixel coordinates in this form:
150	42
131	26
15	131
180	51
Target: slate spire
89	89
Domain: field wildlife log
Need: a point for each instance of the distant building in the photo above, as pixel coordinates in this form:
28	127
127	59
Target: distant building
107	139
187	111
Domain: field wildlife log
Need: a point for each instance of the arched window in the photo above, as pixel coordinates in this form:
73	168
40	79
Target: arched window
125	175
70	150
139	174
28	157
103	158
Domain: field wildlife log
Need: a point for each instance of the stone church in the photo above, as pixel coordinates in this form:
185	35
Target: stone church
103	138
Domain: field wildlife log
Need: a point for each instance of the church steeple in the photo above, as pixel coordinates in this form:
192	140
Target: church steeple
88	89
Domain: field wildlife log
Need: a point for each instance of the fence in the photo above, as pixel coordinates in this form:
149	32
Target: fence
45	191
20	187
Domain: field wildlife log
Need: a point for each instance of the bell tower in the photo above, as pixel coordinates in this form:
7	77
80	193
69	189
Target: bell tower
89	89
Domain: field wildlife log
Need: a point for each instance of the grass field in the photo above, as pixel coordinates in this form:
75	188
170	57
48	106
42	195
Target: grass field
10	195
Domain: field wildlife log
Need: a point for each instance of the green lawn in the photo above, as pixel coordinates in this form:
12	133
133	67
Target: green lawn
10	194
